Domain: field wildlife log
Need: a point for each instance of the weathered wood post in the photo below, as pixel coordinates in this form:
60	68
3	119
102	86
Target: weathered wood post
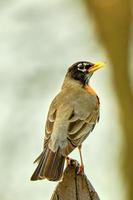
74	186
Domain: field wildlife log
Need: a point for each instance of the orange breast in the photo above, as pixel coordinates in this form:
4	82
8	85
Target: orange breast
90	90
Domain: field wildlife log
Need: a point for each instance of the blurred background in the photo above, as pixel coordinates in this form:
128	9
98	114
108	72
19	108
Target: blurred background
39	39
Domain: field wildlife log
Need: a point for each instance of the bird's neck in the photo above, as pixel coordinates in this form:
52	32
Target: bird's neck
70	83
90	90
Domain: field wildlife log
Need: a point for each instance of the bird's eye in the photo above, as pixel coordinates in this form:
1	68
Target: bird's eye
80	66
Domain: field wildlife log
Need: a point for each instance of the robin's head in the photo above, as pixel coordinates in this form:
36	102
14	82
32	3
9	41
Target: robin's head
83	70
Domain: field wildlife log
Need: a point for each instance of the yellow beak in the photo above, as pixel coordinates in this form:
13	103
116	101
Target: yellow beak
96	66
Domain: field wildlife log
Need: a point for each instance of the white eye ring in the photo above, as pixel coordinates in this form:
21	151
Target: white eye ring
81	67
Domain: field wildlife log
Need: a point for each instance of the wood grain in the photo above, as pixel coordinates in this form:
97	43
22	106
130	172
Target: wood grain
74	186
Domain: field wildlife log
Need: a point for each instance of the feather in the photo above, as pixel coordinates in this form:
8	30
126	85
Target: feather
50	166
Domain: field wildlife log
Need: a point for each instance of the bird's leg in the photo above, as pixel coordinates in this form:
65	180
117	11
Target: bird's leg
81	167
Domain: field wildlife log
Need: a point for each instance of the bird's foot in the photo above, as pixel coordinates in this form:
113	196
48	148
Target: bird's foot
80	169
72	162
69	161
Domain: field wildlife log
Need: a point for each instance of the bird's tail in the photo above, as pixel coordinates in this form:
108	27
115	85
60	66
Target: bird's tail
50	165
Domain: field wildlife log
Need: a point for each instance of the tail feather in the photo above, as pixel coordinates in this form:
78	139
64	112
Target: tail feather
35	175
38	158
61	167
50	165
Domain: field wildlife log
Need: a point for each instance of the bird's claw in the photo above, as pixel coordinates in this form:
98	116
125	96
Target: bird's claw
72	162
80	169
68	160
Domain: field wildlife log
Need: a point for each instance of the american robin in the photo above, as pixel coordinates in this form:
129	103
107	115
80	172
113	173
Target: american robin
72	116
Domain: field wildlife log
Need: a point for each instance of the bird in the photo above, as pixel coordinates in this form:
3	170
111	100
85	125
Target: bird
72	116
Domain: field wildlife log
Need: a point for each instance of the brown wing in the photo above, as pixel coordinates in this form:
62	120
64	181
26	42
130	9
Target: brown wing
49	125
79	128
56	128
69	122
